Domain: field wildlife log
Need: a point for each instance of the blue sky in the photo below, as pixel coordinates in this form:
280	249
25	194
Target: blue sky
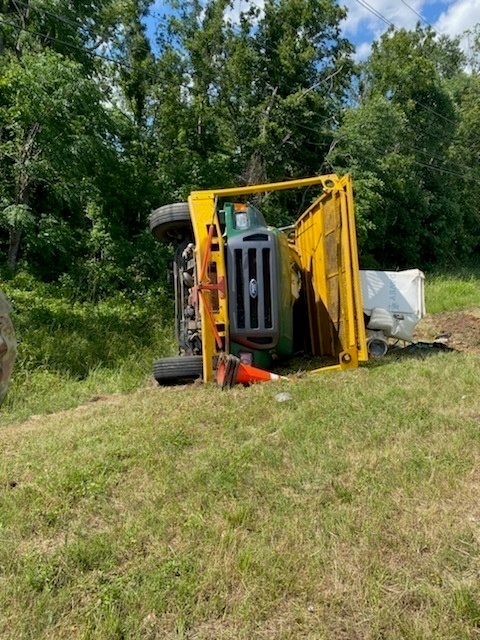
450	17
362	26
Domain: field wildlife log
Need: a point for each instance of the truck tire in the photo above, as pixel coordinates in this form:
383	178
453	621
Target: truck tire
170	370
171	222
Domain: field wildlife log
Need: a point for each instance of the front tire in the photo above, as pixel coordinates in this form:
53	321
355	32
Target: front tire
178	368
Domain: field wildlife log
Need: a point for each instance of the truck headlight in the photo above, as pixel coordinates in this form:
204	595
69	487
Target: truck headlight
241	220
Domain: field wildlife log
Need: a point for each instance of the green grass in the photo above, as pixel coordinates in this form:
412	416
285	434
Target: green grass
69	352
350	511
128	511
446	292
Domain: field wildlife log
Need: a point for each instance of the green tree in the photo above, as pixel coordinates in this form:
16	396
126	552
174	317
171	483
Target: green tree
53	129
410	188
251	101
74	92
465	89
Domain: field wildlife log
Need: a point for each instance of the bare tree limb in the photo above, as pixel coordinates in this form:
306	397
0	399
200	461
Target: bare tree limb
317	84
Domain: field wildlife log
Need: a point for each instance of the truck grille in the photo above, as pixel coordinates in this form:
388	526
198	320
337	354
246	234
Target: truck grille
252	291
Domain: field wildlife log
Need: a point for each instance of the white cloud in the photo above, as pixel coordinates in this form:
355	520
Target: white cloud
362	26
362	20
459	16
449	17
363	50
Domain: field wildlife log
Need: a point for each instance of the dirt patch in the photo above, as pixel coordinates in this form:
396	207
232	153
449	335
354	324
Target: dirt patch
461	328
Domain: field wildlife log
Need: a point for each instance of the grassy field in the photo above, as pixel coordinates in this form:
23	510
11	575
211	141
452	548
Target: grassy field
459	290
70	352
349	511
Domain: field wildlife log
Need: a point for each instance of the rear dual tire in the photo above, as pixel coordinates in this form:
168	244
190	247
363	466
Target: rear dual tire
171	222
177	369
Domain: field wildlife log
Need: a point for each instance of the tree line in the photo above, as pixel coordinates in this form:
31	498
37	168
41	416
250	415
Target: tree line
98	125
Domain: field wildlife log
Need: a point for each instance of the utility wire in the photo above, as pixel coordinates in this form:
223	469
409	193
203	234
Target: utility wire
65	20
73	46
439	115
425	165
363	3
424	106
377	14
421	17
434	157
405	146
432	167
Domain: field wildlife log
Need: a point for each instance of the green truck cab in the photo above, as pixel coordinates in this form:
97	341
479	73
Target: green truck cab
260	301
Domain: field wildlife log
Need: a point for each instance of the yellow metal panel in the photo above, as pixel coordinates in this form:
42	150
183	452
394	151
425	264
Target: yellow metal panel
325	239
355	271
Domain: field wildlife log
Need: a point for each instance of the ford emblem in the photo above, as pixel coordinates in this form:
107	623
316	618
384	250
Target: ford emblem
253	288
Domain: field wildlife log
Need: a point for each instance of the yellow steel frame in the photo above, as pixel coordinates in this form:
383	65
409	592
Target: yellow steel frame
210	249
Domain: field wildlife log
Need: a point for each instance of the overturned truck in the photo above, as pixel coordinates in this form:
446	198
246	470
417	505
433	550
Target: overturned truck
252	294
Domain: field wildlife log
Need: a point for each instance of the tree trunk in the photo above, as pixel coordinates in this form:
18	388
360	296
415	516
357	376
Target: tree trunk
14	248
23	197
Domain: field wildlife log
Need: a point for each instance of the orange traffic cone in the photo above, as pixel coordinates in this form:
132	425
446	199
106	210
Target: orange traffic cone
231	371
226	371
249	375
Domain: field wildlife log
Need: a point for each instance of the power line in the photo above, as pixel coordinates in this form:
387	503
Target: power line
73	46
427	108
421	17
63	19
406	146
68	21
434	157
433	167
436	113
425	165
377	14
424	106
139	70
